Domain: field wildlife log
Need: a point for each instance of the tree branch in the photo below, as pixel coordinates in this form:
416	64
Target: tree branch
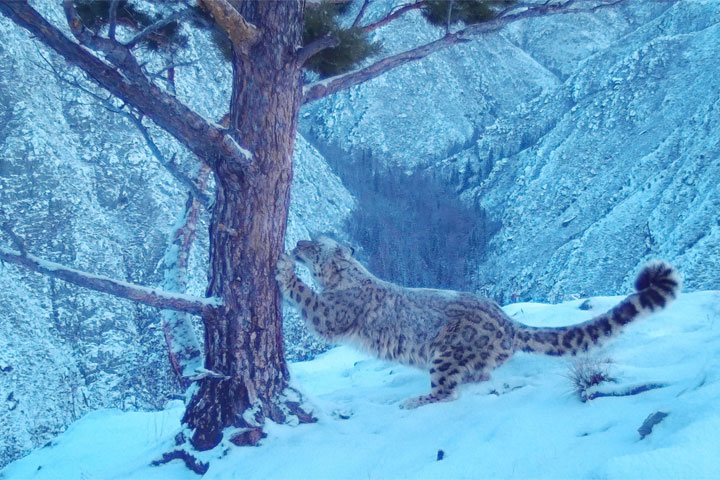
449	15
112	19
361	13
117	54
314	47
329	86
150	29
145	295
132	86
173	65
17	241
186	355
242	33
195	191
393	15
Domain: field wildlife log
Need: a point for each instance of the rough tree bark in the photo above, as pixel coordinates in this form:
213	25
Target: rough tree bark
243	339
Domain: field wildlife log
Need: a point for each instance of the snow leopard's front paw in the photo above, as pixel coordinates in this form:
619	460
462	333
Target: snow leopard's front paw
284	270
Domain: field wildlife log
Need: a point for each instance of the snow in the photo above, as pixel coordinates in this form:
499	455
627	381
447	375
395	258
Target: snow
233	145
524	423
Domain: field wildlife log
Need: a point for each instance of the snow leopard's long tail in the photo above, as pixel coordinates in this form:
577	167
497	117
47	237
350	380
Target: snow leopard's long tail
657	285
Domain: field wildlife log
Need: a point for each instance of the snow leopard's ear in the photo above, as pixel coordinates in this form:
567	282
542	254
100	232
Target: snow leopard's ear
345	251
352	251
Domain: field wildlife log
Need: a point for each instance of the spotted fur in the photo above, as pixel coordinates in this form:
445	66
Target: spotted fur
458	337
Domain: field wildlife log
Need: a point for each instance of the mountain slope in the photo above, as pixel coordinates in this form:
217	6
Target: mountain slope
624	169
587	138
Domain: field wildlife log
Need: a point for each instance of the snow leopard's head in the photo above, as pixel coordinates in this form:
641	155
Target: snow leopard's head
329	262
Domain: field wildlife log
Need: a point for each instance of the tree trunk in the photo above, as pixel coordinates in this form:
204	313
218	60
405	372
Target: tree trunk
243	339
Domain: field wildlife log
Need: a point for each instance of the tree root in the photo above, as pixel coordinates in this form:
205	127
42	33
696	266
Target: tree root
190	461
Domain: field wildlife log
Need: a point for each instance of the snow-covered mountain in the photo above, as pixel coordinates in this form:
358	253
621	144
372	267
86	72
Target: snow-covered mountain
525	422
587	138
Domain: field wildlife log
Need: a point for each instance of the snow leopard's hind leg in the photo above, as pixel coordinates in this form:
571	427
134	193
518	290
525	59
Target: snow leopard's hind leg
445	376
450	366
466	351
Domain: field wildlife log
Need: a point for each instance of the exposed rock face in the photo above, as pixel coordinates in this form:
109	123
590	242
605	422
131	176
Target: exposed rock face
617	165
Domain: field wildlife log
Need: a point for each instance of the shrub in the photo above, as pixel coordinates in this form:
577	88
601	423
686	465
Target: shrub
587	372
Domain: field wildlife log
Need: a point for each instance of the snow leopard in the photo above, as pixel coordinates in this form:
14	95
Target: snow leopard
458	337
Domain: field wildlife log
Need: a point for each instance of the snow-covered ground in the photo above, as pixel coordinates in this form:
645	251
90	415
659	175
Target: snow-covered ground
526	422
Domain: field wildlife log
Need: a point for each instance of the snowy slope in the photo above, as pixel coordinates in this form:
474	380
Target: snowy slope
524	423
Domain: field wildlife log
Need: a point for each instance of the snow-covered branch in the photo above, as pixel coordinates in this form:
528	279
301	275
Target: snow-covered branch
17	241
329	86
186	355
137	293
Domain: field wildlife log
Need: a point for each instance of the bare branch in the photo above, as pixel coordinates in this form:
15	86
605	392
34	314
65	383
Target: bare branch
616	2
316	46
17	241
147	296
331	85
173	65
520	5
449	15
150	29
393	15
169	165
132	86
112	18
361	13
242	33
